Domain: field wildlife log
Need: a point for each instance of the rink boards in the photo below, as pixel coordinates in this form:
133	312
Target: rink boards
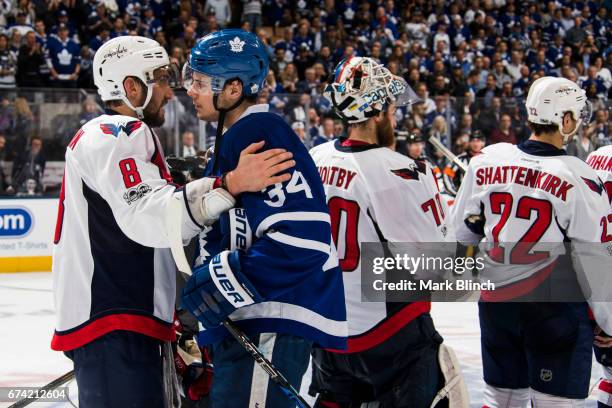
26	233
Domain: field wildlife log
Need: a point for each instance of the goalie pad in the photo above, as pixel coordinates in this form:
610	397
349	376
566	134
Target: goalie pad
454	385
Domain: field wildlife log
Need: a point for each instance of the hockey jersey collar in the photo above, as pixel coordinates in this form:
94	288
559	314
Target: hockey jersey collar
538	148
351	146
259	108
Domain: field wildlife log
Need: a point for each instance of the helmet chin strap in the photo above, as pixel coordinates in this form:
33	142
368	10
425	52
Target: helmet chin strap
218	137
139	110
568	136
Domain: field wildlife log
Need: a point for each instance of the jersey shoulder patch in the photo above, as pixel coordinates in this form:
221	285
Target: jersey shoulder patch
115	129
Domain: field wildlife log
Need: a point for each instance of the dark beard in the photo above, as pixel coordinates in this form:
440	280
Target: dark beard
384	133
153	118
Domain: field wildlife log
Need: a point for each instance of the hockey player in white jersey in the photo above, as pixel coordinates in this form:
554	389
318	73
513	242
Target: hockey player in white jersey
377	195
601	161
513	197
114	278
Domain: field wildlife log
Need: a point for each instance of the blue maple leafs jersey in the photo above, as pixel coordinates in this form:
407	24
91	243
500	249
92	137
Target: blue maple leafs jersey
292	261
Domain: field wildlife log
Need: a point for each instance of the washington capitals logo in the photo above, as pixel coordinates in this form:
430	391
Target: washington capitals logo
128	128
236	44
411	173
596	186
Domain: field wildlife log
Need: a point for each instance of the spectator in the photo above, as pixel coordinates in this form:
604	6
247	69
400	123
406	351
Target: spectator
149	23
298	128
102	37
89	111
64	60
189	146
252	13
314	121
289	78
603	73
187	41
222	11
41	33
504	132
486	94
8	64
581	146
500	74
599	130
593	78
439	129
576	34
15	42
29	62
64	21
21	126
310	83
326	135
29	166
21	23
5	186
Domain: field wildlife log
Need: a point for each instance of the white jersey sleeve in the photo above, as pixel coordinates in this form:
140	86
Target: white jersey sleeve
121	159
601	161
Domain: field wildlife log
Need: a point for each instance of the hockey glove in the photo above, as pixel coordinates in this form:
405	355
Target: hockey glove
217	289
206	203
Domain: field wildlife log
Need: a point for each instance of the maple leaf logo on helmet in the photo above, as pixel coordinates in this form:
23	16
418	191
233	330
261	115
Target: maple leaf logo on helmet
236	44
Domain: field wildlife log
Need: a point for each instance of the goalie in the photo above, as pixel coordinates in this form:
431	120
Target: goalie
395	355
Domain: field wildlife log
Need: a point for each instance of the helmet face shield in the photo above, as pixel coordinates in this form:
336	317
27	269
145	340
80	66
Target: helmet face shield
199	82
167	75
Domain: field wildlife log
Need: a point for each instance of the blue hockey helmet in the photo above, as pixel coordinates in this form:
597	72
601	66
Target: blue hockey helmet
229	54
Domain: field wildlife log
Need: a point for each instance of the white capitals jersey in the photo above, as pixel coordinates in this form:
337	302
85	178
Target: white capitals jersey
377	195
111	266
601	161
535	194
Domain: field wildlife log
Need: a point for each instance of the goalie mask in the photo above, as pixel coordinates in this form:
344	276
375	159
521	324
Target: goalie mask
361	88
548	100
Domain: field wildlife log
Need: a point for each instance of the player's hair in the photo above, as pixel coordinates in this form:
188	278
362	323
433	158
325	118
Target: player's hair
539	129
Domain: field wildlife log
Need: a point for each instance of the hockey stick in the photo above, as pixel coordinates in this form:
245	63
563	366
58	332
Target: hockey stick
173	227
450	155
51	386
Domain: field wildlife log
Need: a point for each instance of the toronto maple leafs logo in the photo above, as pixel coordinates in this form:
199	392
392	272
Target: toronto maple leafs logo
237	44
411	173
595	186
128	128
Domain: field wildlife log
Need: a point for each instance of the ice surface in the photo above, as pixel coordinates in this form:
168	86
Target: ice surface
27	321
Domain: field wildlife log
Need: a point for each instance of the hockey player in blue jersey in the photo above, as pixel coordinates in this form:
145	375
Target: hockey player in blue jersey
281	283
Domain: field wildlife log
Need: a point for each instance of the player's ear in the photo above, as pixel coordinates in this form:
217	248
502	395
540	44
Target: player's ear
235	89
133	89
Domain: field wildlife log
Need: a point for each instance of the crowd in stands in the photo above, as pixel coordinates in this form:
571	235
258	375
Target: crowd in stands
471	62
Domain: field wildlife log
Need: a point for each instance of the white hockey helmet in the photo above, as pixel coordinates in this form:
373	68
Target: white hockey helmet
549	98
361	88
130	56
